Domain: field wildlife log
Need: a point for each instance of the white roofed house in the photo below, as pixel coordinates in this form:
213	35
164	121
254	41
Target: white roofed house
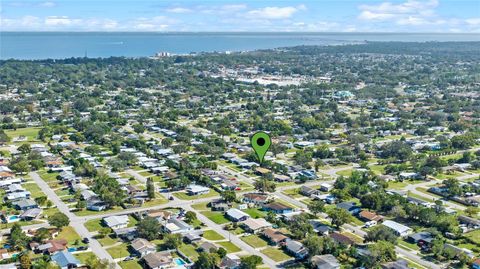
399	229
197	190
296	248
256	225
177	226
116	222
236	215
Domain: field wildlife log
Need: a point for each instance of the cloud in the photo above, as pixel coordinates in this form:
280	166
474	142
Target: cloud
158	23
410	12
61	21
274	12
47	4
179	10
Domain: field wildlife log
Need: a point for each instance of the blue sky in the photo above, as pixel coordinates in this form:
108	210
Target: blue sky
257	16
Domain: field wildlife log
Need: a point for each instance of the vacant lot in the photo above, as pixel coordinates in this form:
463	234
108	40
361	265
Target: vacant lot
275	254
254	241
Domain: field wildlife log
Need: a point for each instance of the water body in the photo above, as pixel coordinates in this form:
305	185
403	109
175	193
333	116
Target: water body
58	45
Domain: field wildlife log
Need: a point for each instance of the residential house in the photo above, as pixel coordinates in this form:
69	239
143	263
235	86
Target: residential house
142	246
398	264
350	207
230	261
342	239
207	247
116	222
159	260
327	261
399	229
197	190
236	215
256	225
421	238
296	248
370	216
31	214
65	260
127	234
24	204
177	226
274	237
52	246
320	228
220	205
278	208
308	191
257	199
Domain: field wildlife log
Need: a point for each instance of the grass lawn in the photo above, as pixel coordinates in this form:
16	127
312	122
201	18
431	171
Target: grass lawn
216	217
69	234
34	190
48	177
30	133
254	241
275	254
119	251
146	174
378	169
212	235
130	265
137	168
294	193
397	185
107	241
229	246
201	206
159	200
421	197
50	211
189	251
408	245
255	213
94	225
85	256
473	236
185	196
345	173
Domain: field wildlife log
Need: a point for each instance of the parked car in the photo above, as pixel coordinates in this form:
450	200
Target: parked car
86	240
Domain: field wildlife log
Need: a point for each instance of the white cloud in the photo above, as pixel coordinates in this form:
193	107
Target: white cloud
47	4
179	10
410	12
274	12
158	23
61	21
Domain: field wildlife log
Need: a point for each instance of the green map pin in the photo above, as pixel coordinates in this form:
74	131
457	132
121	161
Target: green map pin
260	142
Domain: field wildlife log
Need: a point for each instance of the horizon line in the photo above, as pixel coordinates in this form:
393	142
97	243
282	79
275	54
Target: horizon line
243	32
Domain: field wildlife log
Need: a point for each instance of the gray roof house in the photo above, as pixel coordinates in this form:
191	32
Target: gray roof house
327	261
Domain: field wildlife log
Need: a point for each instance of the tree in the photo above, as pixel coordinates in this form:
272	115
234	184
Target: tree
81	205
103	232
149	228
381	233
42	234
263	185
25	148
222	252
250	262
339	216
4	138
59	220
300	226
190	216
108	190
150	188
17	238
172	241
229	196
167	142
41	200
206	261
25	261
138	128
20	165
472	211
317	245
381	252
316	206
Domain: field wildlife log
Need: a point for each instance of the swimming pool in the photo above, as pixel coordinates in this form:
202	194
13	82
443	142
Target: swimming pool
13	218
179	261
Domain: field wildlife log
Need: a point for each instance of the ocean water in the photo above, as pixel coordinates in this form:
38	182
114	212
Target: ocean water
58	45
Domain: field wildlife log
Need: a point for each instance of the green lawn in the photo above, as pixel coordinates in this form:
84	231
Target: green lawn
275	254
94	225
189	251
229	246
185	196
146	174
119	251
48	177
294	193
34	190
408	245
254	241
159	200
85	256
30	133
69	234
397	185
216	217
212	235
107	241
473	236
345	173
130	265
255	213
201	206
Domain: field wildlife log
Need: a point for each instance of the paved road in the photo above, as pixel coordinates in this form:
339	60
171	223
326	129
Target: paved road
76	222
413	189
233	238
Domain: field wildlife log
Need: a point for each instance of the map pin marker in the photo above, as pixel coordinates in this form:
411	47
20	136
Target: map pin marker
260	142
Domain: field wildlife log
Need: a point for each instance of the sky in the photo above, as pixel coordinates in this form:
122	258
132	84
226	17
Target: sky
446	16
